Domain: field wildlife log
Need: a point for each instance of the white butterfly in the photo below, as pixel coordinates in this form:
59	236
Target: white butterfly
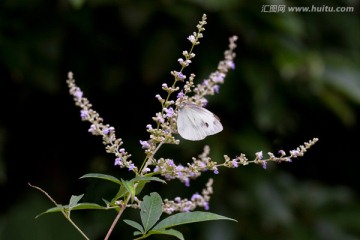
195	123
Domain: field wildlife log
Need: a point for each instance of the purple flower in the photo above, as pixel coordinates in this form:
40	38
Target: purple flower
294	153
234	163
159	118
216	88
169	112
191	38
84	114
259	155
230	64
131	167
204	102
118	162
264	164
106	131
206	206
187	182
92	128
180	94
144	144
181	76
219	77
282	152
170	162
78	93
146	170
195	196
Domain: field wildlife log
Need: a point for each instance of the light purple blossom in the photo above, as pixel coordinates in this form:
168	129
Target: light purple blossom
106	131
294	153
159	118
131	167
180	94
282	152
196	196
181	76
169	112
206	206
218	77
204	102
78	94
234	163
264	164
144	144
259	155
191	38
146	170
92	128
84	114
170	162
216	88
118	162
230	64
187	182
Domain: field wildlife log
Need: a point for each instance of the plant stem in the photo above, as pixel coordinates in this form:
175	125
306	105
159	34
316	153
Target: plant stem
117	218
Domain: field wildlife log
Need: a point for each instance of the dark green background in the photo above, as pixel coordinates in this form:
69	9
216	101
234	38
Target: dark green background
297	77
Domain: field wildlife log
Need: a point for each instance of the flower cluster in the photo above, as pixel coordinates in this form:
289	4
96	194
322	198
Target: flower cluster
168	169
283	157
185	205
166	119
112	144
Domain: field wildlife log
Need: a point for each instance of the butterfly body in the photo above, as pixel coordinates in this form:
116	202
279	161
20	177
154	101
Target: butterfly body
195	123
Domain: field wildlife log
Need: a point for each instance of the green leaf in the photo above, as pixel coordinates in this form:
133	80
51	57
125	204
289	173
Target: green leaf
74	200
129	185
102	176
79	206
59	208
171	232
134	225
156	179
189	217
82	206
150	210
122	191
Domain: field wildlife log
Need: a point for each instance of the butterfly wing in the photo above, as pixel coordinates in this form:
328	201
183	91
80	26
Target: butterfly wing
195	123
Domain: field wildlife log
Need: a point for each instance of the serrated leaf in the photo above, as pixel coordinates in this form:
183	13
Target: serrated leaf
74	200
171	232
134	225
150	210
102	176
189	217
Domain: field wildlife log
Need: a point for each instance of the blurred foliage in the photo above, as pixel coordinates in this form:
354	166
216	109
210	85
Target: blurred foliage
296	77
